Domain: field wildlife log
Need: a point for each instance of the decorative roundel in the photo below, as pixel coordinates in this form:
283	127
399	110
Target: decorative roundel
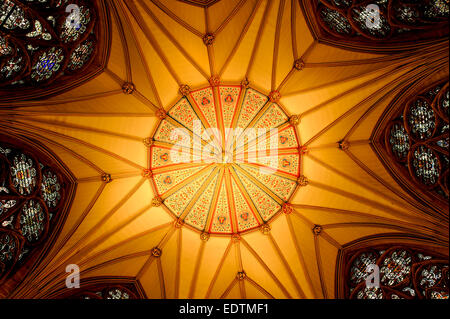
399	141
421	119
225	159
425	165
395	267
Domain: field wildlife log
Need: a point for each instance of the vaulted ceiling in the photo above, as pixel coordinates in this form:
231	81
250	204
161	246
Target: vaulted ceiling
333	92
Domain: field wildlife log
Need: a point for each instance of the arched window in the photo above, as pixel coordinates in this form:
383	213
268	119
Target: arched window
35	194
378	23
406	271
413	139
104	288
42	41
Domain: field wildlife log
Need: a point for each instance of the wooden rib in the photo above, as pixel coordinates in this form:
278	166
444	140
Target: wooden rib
178	263
276	45
209	48
267	190
16	112
300	255
228	289
219	116
162	284
66	255
229	17
397	69
246	195
433	68
150	259
230	198
174	41
176	167
82	128
277	173
240	269
350	78
405	57
125	241
294	29
369	188
186	181
319	266
61	275
330	239
258	287
286	266
241	36
126	52
204	121
61	100
172	15
384	183
215	198
355	107
371	203
81	252
98	178
149	35
39	293
350	213
258	38
115	77
81	142
47	140
368	224
47	260
147	102
286	79
196	269
143	59
219	268
264	265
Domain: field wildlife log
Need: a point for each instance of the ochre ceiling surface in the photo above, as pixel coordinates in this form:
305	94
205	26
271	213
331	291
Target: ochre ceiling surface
221	225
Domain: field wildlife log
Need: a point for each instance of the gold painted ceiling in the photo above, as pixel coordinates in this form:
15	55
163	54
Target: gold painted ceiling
220	228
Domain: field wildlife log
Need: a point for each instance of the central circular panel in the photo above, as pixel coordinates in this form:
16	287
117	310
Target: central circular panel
225	159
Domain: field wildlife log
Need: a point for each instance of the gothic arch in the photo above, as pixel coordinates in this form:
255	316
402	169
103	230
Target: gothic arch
401	25
411	140
43	53
36	192
410	267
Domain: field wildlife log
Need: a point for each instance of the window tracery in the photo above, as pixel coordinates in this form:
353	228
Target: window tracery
32	192
42	40
404	273
397	20
417	138
105	288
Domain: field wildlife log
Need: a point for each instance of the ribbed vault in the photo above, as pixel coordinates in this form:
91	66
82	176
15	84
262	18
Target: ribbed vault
100	130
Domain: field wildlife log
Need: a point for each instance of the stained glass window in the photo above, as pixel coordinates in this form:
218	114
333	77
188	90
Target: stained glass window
31	193
404	273
357	20
417	138
104	288
43	40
